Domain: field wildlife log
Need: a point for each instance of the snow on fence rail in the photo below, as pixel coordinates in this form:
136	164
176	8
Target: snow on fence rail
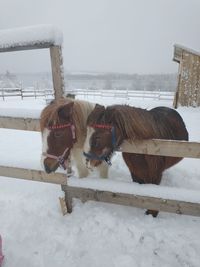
162	198
152	197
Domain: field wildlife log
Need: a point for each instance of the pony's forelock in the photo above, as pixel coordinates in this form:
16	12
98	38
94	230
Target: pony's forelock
81	111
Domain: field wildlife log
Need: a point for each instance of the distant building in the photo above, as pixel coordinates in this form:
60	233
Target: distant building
188	88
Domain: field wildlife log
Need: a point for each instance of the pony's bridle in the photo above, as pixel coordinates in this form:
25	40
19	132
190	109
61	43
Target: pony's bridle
104	157
61	159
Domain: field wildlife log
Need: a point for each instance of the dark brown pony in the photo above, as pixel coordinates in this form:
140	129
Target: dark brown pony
109	127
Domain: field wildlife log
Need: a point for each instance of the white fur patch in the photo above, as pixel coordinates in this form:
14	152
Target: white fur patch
45	135
86	147
90	132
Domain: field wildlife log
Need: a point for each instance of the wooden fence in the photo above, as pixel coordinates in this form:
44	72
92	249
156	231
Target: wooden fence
36	42
24	93
99	190
151	147
48	93
157	95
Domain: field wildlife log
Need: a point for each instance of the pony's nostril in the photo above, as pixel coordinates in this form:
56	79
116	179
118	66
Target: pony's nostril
47	169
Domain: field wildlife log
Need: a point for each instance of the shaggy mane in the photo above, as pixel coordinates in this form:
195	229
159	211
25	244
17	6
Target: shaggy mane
136	123
81	111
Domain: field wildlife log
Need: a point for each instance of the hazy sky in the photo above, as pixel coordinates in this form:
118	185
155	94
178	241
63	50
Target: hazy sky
134	36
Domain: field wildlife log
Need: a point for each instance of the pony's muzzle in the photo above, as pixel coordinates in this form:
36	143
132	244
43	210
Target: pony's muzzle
50	165
47	169
95	162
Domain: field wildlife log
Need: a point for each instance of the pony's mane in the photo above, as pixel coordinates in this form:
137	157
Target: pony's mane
81	111
133	123
137	123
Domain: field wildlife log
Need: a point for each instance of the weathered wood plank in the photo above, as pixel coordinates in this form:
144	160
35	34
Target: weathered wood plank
163	148
144	202
150	147
63	205
177	54
57	71
32	175
189	77
27	124
26	47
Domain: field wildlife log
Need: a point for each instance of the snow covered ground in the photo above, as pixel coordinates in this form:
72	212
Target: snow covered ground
35	233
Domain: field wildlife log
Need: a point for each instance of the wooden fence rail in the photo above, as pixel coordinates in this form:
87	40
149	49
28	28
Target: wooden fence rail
157	147
33	175
138	198
133	199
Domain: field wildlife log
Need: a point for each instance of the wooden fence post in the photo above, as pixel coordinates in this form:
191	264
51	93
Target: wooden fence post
57	71
68	198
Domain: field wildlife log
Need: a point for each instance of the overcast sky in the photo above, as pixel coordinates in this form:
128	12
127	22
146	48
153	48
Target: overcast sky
133	36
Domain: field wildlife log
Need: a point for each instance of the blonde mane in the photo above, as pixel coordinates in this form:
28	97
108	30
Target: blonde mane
81	111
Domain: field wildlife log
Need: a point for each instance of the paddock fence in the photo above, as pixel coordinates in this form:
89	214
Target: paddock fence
24	93
33	92
169	203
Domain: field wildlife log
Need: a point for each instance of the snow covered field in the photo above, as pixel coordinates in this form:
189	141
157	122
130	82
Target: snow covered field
35	233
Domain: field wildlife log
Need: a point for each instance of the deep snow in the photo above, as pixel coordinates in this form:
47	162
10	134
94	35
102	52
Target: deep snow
35	233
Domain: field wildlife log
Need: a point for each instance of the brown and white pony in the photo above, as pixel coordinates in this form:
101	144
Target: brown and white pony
109	127
63	127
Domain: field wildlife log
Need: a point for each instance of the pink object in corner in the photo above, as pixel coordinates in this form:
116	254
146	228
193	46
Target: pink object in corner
1	254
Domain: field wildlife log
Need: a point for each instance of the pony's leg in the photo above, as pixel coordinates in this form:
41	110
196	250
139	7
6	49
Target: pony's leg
77	155
137	166
137	179
145	169
103	170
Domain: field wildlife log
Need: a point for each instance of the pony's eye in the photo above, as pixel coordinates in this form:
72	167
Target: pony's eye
95	142
58	134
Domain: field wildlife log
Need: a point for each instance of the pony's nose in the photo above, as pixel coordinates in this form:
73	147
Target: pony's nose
47	169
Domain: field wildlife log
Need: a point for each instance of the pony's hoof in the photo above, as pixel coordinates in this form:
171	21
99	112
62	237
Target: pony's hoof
154	213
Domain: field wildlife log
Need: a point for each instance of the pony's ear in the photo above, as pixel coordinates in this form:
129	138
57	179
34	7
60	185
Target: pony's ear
96	114
97	106
65	112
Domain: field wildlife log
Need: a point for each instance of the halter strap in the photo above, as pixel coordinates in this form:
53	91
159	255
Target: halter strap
61	159
101	126
95	157
104	157
109	127
59	126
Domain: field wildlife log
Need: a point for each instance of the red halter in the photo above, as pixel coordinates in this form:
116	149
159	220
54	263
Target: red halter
101	126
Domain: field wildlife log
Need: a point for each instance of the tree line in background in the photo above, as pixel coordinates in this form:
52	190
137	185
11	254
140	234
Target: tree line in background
153	82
